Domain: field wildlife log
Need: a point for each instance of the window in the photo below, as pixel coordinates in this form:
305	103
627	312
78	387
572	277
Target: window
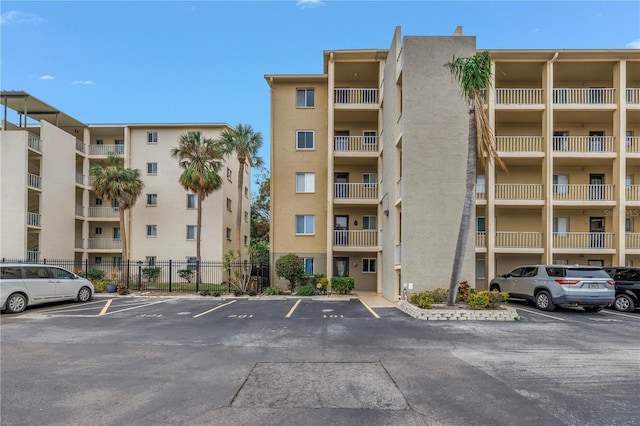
229	204
369	137
152	230
246	240
560	184
192	230
305	224
192	262
630	141
480	184
228	234
561	140
99	142
98	230
369	223
117	262
152	137
229	174
98	201
480	266
628	182
192	201
152	168
368	266
628	224
481	225
305	182
560	226
305	98
151	260
308	265
246	192
152	199
246	217
305	139
369	180
97	260
561	262
116	234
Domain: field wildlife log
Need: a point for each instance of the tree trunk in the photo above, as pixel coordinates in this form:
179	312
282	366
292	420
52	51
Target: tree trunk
239	209
198	237
467	211
123	238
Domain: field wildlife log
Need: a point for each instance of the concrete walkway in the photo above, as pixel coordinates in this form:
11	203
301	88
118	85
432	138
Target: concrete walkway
374	300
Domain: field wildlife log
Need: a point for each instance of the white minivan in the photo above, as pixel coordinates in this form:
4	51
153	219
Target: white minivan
25	284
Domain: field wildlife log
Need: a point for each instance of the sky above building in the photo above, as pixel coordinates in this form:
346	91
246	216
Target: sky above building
205	61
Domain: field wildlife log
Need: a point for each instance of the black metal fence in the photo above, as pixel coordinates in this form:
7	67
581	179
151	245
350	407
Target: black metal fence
167	275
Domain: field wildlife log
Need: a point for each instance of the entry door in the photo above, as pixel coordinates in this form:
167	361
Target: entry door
596	188
596	228
342	140
341	185
596	141
341	230
340	266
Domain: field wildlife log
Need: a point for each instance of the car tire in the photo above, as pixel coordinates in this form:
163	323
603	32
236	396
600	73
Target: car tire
543	301
494	287
592	308
624	303
16	303
84	294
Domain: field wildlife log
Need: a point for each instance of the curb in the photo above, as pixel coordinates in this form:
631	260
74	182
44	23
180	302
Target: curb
504	313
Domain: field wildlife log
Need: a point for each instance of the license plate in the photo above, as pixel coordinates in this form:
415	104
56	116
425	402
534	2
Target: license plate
593	285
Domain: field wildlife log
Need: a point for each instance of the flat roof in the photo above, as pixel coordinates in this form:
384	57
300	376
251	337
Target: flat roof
25	104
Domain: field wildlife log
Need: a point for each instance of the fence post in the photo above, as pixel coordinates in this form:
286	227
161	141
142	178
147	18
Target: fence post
197	275
44	261
140	275
128	272
170	274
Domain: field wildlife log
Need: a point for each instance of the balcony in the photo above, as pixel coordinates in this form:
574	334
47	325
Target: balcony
355	239
584	144
355	144
104	150
632	240
34	181
599	96
350	97
104	244
33	256
633	96
519	96
583	192
354	192
79	145
518	191
519	144
79	178
633	144
481	239
79	210
34	142
583	240
104	212
519	240
33	219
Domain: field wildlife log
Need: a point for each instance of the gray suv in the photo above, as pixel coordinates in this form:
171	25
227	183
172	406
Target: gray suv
549	286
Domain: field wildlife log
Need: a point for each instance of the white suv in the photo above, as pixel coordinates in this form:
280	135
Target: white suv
23	285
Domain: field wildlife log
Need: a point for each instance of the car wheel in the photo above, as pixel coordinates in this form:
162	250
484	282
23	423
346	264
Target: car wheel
592	308
84	294
494	287
544	302
16	303
624	303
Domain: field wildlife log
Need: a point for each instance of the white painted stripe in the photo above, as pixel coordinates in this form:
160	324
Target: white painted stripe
541	314
136	307
622	314
211	310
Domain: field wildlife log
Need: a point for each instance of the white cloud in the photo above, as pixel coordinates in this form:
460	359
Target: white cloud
634	44
46	77
306	4
83	83
17	17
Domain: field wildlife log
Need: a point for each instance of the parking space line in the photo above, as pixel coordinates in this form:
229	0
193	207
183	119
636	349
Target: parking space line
217	307
136	307
621	314
66	307
369	308
541	314
293	309
105	307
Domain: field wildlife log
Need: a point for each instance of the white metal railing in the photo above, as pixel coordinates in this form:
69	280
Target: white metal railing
632	192
518	191
79	145
108	212
355	143
399	189
481	239
104	243
398	254
583	240
584	96
79	210
360	191
584	144
632	240
33	255
633	144
633	96
519	239
33	219
95	149
583	192
34	142
519	96
356	96
79	243
79	178
357	238
519	143
34	181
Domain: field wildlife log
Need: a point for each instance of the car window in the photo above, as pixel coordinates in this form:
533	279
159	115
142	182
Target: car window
555	271
587	273
61	274
627	275
10	272
634	275
530	272
36	272
516	272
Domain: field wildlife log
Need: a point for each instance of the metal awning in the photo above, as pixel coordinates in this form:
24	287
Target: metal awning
28	106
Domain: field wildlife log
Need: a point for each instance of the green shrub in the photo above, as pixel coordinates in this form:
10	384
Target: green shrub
487	299
439	295
186	274
272	291
422	300
100	286
252	293
311	280
151	273
342	285
497	298
464	289
95	274
291	268
322	285
306	290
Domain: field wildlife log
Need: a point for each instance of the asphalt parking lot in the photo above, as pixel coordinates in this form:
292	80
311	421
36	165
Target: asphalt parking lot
175	361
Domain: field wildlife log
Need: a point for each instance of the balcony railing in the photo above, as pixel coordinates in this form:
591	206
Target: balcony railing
518	191
356	96
633	96
95	149
79	178
481	193
519	239
79	145
481	239
357	191
584	96
632	240
104	243
584	144
583	240
106	212
583	192
79	210
519	96
34	181
633	144
33	219
33	255
34	142
356	143
79	243
358	238
519	143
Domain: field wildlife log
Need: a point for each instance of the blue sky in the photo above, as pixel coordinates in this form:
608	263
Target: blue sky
205	61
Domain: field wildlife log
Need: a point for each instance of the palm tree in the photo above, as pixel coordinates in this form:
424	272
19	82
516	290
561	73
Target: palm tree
120	185
473	74
245	143
200	161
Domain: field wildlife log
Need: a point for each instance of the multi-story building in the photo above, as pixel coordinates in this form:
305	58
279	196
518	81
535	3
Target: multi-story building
368	163
50	210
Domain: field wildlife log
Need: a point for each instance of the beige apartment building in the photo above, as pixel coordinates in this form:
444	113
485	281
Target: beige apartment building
50	210
368	161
